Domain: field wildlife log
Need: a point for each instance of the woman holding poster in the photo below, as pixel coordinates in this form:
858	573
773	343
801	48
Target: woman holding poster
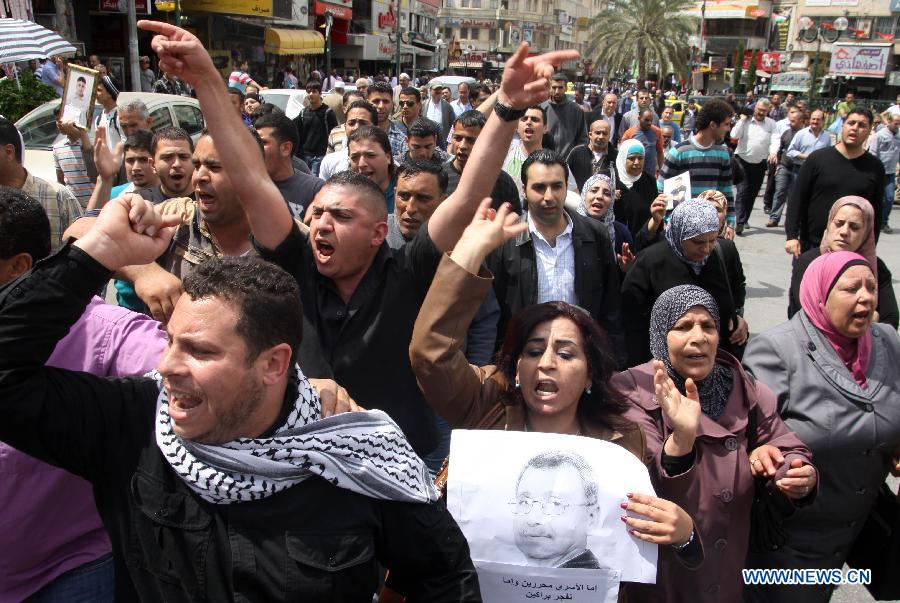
553	375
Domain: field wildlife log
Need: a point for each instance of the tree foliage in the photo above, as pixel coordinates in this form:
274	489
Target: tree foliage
645	32
738	68
18	99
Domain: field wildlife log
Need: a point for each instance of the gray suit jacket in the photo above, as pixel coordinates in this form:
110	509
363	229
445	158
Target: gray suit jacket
851	431
448	116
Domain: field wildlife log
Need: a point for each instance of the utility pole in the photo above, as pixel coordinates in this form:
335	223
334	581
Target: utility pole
133	48
398	40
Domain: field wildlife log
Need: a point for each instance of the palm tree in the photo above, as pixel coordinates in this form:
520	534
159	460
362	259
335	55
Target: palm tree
647	31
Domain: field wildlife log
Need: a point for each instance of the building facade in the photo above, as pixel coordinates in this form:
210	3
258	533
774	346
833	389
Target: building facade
481	34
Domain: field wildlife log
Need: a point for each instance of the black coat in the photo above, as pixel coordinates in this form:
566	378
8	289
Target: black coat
581	163
658	269
514	266
597	113
311	542
633	208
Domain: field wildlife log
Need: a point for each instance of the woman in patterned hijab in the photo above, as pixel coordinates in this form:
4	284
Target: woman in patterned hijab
693	229
689	257
696	406
597	203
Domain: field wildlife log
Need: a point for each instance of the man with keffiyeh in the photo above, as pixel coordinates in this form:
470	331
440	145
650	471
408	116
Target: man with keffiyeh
215	477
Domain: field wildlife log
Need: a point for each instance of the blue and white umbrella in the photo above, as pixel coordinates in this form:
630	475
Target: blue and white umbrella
23	40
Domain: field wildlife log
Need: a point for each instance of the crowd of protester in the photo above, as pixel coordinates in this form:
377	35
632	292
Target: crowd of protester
500	260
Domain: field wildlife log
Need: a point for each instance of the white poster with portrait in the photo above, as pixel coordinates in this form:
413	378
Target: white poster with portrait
678	188
549	505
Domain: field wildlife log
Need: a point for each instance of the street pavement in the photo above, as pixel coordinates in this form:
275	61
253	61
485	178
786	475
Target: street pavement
768	271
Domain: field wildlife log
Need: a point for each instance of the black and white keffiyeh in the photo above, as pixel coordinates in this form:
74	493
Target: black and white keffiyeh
364	452
670	306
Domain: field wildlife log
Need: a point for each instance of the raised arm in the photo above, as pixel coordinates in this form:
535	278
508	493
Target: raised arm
182	54
460	392
69	419
525	83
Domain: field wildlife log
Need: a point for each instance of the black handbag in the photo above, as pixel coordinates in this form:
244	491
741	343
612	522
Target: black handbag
877	547
770	508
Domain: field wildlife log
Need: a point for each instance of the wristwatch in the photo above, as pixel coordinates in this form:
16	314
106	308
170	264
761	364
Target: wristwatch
507	113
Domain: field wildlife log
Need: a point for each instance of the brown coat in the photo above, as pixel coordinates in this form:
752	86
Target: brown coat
461	393
717	491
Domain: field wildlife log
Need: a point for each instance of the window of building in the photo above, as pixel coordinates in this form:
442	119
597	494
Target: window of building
492	35
476	3
463	33
884	27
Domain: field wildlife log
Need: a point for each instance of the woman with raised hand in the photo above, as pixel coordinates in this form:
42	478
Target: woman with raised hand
834	372
851	227
638	204
597	203
700	413
552	373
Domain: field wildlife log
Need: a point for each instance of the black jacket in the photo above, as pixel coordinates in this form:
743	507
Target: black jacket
313	128
597	113
312	542
658	269
581	163
514	266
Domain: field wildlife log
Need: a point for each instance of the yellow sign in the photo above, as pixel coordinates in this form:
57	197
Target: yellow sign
233	7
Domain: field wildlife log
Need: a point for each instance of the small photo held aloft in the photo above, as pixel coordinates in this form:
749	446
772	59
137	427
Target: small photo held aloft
79	96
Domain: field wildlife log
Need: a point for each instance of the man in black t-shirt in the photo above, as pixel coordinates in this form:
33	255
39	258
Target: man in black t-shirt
279	137
466	130
829	174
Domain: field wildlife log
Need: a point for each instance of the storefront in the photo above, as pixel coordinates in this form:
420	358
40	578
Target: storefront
862	67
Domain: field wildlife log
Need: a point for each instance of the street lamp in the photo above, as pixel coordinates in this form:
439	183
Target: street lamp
398	38
830	32
329	23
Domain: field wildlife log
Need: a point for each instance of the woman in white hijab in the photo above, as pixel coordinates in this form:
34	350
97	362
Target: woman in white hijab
639	205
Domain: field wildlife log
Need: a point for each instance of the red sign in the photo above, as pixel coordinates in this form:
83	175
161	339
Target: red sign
769	62
387	20
118	6
339	12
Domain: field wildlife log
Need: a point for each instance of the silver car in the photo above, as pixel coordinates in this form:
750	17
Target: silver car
39	132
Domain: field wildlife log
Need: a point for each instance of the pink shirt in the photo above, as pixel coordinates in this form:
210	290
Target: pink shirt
49	523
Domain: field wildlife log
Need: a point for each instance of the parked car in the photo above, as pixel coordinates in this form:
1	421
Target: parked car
452	82
38	127
678	107
289	100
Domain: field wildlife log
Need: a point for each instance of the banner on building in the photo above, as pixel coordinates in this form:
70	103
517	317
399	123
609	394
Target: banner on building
515	35
256	8
860	60
765	61
790	81
141	7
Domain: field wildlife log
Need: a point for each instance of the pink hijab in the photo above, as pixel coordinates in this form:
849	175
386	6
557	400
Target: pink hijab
817	283
867	247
